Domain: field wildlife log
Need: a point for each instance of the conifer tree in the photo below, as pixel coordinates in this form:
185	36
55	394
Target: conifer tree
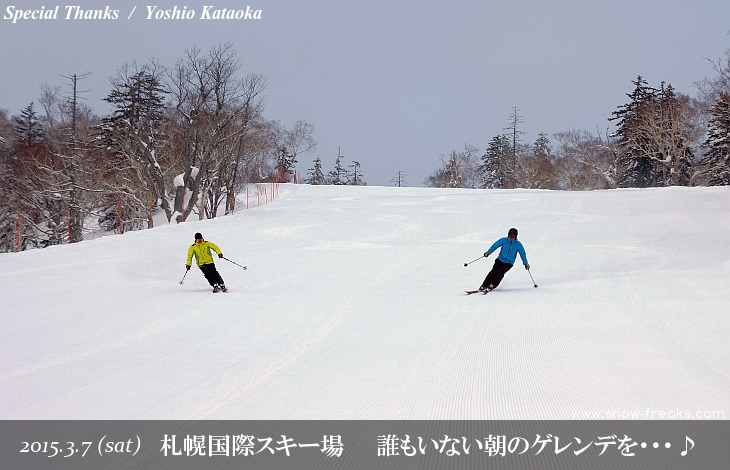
655	133
495	163
399	179
28	130
354	177
315	175
133	132
635	166
541	147
338	176
285	164
717	154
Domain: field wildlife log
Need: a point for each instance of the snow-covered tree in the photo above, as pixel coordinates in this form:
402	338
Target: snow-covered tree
656	132
541	147
69	176
28	130
315	175
585	161
54	183
257	154
133	132
354	177
285	165
299	140
338	176
536	169
495	163
458	170
213	107
296	141
635	165
712	88
513	134
717	146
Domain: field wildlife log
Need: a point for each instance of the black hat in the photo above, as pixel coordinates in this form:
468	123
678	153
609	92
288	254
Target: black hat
512	231
198	235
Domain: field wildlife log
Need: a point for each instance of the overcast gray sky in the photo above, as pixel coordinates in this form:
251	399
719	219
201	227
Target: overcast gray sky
394	83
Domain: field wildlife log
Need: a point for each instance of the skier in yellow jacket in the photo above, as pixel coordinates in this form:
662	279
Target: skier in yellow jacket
201	249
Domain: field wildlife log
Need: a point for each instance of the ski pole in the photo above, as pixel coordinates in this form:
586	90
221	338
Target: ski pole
186	273
533	280
244	267
470	262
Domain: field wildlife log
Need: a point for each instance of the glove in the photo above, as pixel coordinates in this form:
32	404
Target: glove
187	266
486	254
220	255
527	266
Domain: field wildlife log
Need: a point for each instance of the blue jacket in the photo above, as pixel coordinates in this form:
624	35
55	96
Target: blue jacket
509	250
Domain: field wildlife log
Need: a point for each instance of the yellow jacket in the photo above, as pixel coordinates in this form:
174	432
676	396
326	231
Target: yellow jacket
202	252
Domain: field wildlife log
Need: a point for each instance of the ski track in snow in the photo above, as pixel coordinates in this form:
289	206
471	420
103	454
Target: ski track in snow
353	308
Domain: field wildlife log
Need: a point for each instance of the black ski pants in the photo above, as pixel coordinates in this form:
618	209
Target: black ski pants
211	274
496	274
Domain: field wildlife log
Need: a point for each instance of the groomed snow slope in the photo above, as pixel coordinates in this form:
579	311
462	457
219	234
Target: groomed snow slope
353	307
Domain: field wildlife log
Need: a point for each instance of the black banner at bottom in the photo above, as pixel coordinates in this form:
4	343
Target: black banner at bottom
399	445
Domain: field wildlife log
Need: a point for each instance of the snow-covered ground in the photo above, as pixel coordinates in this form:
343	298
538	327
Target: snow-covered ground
353	307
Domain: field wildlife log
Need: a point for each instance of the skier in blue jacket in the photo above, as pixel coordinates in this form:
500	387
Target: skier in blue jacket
509	247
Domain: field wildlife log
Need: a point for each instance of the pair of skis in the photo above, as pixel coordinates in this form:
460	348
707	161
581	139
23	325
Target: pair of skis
483	292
